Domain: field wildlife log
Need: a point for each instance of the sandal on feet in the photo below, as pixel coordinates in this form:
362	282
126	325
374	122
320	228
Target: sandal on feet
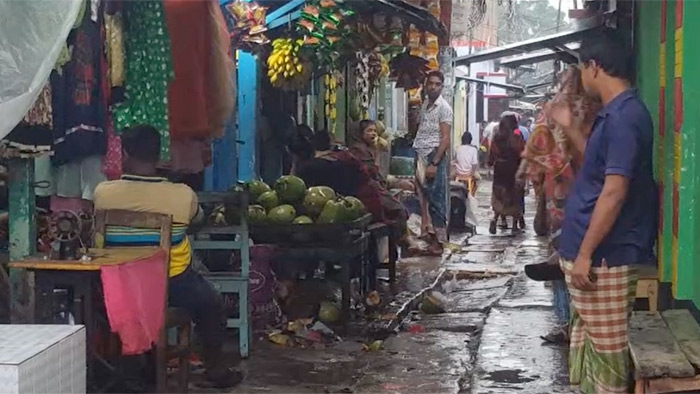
558	336
544	272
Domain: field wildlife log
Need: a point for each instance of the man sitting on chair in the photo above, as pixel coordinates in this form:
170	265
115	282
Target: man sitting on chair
141	190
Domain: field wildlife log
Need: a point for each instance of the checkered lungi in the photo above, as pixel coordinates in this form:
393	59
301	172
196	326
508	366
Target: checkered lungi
599	353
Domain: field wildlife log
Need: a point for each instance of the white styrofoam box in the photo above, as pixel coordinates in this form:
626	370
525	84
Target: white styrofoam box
37	359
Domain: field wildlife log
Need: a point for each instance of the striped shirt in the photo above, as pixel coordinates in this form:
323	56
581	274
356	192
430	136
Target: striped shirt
150	195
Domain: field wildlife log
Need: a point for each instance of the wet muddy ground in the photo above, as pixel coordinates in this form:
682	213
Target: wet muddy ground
487	341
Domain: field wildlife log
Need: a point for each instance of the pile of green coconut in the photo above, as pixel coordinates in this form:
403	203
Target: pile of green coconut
289	201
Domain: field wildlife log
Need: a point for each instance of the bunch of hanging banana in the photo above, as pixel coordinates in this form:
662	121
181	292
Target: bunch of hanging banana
284	64
331	99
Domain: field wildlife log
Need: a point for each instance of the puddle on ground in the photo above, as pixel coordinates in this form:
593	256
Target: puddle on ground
509	376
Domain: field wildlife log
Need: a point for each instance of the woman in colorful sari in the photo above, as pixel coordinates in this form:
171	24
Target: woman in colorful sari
550	165
361	143
504	157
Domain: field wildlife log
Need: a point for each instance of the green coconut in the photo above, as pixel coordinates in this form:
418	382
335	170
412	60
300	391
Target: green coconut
283	214
333	212
316	198
302	220
346	210
328	312
256	188
290	189
268	200
355	209
256	214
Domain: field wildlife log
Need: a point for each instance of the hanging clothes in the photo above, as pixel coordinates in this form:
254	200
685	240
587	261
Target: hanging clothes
148	70
29	140
78	179
113	66
200	97
41	113
189	156
78	108
114	48
112	162
222	80
71	183
188	25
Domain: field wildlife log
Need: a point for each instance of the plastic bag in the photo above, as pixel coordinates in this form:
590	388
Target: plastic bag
32	34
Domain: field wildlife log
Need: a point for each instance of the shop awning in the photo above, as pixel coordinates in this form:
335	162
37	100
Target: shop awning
522	105
540	56
285	13
555	42
410	13
418	16
506	86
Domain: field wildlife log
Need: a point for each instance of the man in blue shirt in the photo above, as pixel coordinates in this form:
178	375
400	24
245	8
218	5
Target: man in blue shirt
610	215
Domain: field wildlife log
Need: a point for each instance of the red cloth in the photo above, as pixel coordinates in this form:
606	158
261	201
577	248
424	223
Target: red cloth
201	96
189	27
134	295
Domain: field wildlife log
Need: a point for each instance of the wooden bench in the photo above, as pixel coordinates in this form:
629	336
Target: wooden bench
665	350
648	286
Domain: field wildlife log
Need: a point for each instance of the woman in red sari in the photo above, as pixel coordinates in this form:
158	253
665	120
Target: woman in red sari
504	157
322	164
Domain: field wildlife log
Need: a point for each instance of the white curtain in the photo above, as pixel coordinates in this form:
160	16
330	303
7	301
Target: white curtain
32	34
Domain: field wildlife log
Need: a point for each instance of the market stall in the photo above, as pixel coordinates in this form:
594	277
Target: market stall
325	66
170	64
119	64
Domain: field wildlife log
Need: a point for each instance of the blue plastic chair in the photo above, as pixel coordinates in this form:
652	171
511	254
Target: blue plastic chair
230	282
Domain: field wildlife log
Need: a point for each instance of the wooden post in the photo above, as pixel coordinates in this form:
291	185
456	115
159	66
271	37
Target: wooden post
222	173
22	237
248	90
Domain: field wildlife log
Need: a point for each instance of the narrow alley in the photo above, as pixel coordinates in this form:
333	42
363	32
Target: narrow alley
487	341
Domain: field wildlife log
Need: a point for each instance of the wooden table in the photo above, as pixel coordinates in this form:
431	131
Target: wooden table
82	280
349	256
98	258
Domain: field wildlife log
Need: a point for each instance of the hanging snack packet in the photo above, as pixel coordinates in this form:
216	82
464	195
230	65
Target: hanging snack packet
306	24
310	12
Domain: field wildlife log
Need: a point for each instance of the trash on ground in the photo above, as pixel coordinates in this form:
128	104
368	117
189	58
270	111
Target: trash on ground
374	346
373	299
416	328
304	333
433	303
